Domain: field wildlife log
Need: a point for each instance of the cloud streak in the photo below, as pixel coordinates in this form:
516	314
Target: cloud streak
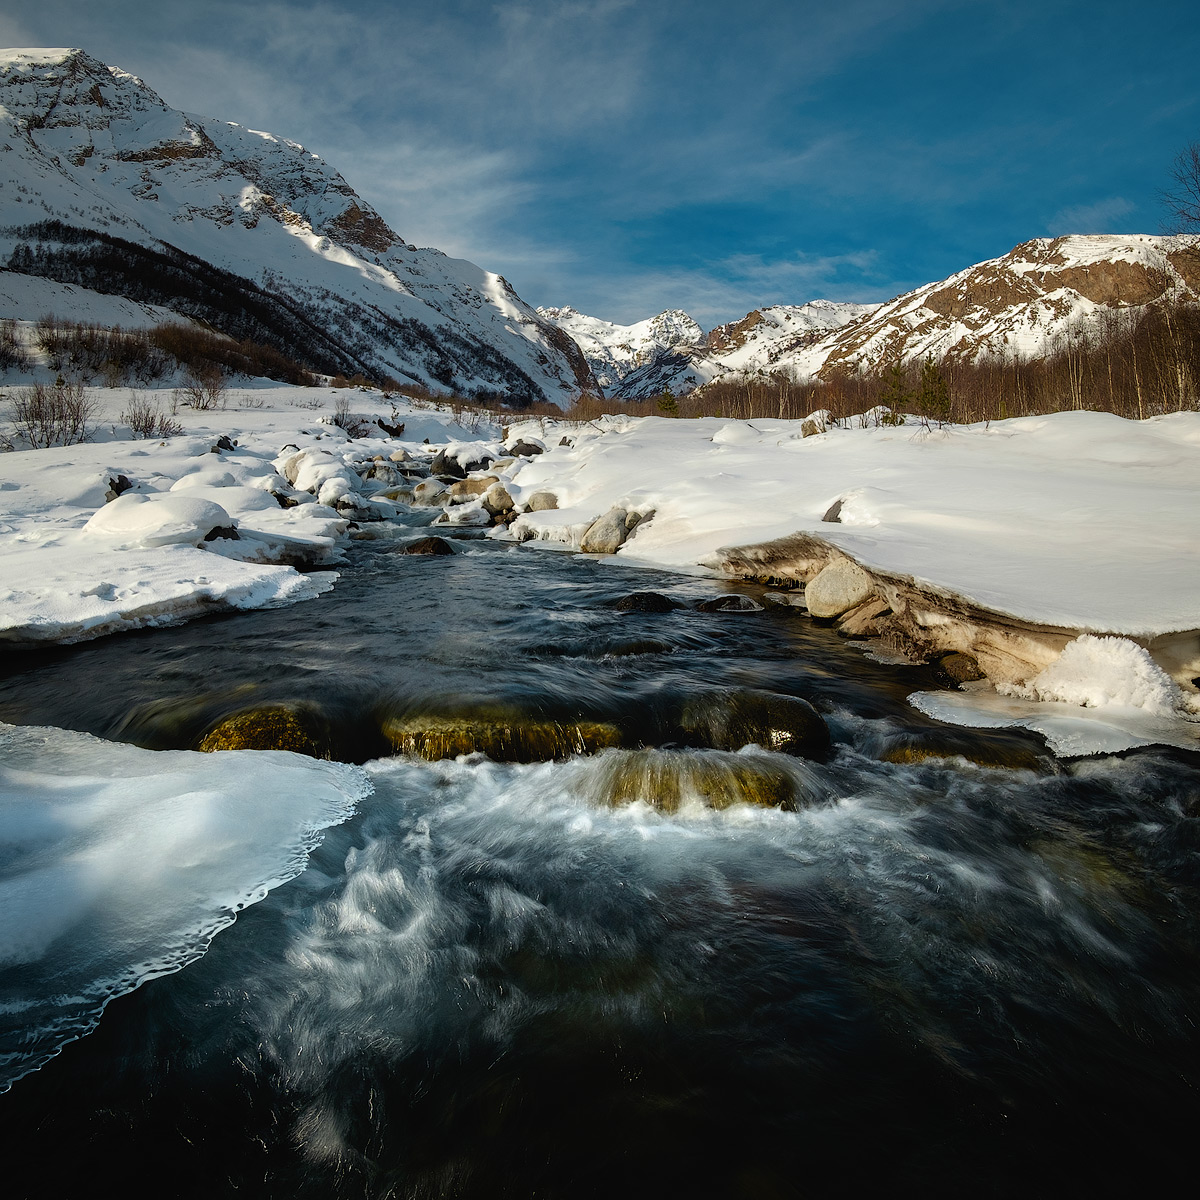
605	152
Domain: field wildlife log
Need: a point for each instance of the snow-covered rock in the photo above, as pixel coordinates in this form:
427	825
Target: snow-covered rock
160	520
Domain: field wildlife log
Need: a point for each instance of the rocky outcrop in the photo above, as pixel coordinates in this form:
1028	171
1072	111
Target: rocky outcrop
925	623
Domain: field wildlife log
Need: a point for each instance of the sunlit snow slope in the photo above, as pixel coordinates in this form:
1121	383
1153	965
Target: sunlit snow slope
103	186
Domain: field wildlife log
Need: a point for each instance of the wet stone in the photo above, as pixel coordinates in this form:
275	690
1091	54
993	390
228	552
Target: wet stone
646	602
667	780
502	740
731	720
428	545
730	603
272	728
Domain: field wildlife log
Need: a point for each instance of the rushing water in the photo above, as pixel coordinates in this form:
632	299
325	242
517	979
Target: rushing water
491	982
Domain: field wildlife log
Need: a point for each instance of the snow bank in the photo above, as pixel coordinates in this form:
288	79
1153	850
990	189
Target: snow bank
119	864
1069	730
76	563
1081	520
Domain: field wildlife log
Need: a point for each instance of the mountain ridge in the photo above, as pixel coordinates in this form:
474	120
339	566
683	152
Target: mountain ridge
89	154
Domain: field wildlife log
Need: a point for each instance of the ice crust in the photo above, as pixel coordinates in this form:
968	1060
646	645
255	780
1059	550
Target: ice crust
119	864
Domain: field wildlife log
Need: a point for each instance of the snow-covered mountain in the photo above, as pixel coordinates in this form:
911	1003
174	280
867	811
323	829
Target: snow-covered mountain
1025	304
614	352
105	187
672	351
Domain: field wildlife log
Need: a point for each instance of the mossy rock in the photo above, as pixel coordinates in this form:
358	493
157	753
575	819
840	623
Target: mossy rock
502	740
731	720
273	728
668	779
982	754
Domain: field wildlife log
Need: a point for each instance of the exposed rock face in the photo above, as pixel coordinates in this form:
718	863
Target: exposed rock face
837	588
925	623
542	502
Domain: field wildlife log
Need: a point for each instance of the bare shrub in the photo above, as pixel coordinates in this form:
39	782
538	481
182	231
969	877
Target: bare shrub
12	352
146	420
58	414
203	388
343	418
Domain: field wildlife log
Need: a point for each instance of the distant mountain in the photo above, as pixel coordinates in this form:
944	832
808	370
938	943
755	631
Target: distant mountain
1026	304
671	350
103	186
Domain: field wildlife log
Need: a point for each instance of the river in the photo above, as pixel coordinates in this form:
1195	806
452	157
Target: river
918	972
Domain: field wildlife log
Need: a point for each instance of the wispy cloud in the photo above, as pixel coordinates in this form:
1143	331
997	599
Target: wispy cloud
1101	216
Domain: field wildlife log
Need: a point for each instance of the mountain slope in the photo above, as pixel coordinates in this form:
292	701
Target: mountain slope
1031	302
1025	304
104	186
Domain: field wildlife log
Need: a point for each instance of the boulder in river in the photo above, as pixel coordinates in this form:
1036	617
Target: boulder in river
837	588
669	779
502	739
729	720
646	602
274	727
428	545
607	534
731	602
428	493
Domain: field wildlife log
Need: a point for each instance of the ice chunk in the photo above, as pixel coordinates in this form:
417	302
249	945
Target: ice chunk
1099	671
119	864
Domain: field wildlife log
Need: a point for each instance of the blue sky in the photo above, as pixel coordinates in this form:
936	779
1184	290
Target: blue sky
629	157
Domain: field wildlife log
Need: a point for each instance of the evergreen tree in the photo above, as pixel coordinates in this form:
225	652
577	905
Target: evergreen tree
896	394
667	404
933	395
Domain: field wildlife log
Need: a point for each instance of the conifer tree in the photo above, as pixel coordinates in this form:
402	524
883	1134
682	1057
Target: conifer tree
933	395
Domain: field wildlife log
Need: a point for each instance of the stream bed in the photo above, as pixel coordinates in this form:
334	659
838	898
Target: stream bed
948	961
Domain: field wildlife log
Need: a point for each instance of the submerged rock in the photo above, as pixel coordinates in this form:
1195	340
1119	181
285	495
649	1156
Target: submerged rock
428	545
669	779
272	728
731	720
647	602
1009	756
501	739
729	603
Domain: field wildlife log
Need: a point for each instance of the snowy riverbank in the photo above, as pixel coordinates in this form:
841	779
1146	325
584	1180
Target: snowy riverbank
1004	541
119	533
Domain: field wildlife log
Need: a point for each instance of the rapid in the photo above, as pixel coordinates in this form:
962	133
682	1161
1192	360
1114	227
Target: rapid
930	957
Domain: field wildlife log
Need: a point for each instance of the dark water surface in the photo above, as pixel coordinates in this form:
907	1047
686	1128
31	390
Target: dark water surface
935	976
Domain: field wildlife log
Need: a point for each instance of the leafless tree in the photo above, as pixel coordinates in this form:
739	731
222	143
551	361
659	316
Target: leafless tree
1182	198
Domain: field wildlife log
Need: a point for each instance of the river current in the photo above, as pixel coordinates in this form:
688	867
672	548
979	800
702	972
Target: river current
926	973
